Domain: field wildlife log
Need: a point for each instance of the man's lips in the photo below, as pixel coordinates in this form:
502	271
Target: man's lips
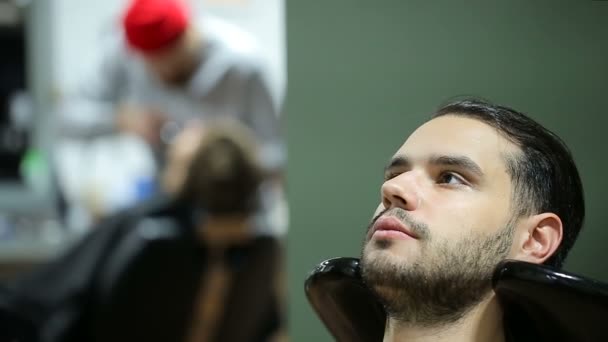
389	227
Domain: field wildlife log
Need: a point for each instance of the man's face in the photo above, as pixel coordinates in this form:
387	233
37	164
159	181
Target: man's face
175	64
445	219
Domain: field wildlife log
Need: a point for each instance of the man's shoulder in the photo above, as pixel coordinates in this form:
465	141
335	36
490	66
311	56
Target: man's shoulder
234	46
229	35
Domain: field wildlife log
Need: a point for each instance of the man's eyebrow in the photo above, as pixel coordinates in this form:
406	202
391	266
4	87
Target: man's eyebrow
462	162
398	162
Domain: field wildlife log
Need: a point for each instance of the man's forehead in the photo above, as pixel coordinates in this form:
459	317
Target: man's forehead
457	135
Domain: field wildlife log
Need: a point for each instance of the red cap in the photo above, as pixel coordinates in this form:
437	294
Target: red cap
151	25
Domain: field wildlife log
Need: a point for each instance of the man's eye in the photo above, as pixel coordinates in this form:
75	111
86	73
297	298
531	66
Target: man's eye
450	178
390	175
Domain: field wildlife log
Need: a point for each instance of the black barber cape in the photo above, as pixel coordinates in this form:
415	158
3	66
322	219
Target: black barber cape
135	278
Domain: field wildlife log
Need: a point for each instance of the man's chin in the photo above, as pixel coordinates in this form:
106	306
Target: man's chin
379	268
391	252
383	261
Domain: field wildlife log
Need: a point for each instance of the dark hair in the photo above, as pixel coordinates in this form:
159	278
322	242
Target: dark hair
544	175
224	176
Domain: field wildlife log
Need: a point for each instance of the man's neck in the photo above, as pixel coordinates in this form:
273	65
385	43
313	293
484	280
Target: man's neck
483	323
197	42
222	231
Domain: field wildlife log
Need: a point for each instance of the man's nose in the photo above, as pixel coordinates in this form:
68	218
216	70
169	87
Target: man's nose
400	192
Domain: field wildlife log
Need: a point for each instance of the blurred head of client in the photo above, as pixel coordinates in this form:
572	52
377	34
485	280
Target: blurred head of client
217	168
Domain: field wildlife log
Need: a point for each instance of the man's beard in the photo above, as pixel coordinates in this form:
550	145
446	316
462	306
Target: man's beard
448	278
179	78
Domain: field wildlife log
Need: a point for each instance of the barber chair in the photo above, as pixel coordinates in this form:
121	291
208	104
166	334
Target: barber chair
149	289
143	288
540	303
133	279
14	327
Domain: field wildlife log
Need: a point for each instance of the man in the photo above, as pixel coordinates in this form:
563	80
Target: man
477	184
164	70
168	68
224	176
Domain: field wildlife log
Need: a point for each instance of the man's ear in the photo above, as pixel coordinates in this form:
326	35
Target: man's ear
541	235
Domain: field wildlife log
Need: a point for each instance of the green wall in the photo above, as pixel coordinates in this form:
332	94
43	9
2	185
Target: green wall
363	74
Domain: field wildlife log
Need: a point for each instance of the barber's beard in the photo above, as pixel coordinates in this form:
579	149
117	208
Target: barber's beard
183	73
179	78
447	280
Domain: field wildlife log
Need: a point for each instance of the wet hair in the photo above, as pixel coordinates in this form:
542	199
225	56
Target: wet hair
225	174
543	174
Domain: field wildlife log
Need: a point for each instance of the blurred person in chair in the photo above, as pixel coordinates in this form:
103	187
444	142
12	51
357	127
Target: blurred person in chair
224	177
186	266
165	68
